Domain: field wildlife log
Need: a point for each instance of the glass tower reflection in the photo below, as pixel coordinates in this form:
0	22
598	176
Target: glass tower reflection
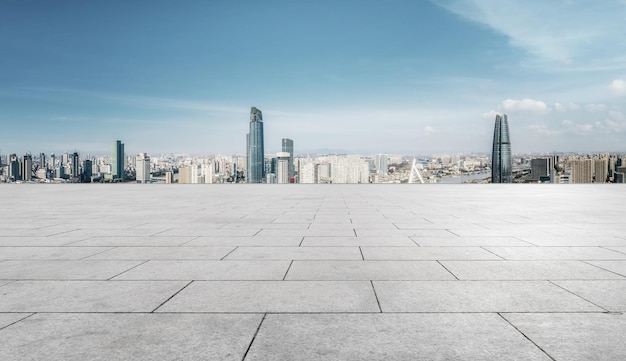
501	162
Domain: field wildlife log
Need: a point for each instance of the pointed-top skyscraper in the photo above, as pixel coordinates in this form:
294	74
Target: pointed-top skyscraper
255	172
501	162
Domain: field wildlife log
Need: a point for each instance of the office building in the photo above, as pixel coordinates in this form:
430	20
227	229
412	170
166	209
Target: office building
282	167
288	148
540	170
117	160
142	168
26	168
75	166
501	161
255	172
14	168
42	161
87	171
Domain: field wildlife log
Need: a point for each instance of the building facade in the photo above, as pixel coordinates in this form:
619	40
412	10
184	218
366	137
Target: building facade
501	160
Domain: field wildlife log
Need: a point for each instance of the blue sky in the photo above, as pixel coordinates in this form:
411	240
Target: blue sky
353	76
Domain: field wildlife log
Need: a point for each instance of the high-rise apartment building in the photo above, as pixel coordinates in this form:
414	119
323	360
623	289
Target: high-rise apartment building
501	161
582	170
601	170
117	160
255	172
142	168
288	148
381	164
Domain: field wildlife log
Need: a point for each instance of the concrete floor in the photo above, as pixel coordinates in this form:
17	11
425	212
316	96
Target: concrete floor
312	272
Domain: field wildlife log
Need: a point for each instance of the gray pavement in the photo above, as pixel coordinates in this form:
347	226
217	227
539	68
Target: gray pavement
312	272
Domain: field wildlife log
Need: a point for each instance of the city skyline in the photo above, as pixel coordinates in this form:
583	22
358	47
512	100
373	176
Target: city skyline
399	77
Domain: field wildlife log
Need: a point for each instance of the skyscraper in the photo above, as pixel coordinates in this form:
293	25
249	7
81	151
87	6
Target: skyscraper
288	148
282	167
142	168
75	165
27	167
501	162
255	172
117	160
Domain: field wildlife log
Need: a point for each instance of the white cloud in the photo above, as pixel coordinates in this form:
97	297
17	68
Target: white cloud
614	126
490	115
429	129
569	41
595	108
526	104
617	115
565	107
619	86
542	129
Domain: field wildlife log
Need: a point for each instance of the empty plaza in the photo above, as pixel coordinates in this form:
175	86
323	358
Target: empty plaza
312	272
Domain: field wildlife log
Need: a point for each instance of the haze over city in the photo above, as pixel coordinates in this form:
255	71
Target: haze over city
351	77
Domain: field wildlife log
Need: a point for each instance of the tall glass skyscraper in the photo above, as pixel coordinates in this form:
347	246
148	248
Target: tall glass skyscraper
501	162
255	172
117	160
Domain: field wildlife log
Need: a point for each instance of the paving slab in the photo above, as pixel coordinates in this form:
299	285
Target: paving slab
556	253
618	249
39	241
296	253
49	253
207	270
86	296
154	253
7	319
367	270
403	232
100	337
198	232
427	253
618	267
64	269
469	241
391	337
274	296
132	241
575	336
526	270
574	240
357	241
610	295
478	296
348	232
113	232
292	241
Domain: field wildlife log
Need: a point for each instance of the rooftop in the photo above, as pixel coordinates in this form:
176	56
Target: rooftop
312	272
